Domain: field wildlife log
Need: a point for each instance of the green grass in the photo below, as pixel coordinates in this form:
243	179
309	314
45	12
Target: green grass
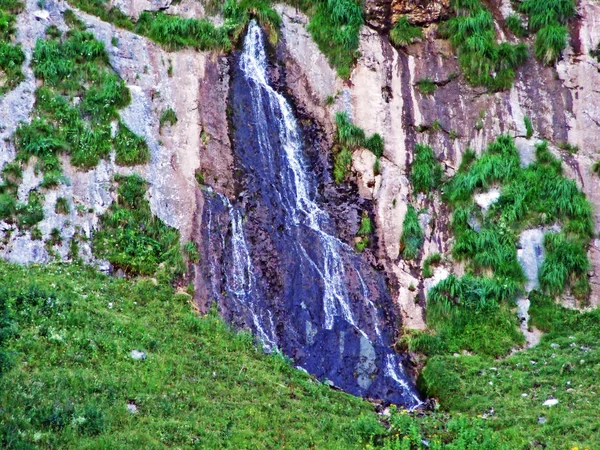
67	375
70	66
168	116
412	235
348	138
564	366
134	240
62	206
548	20
515	25
130	148
432	260
595	53
483	61
425	171
528	127
405	33
426	86
12	56
476	312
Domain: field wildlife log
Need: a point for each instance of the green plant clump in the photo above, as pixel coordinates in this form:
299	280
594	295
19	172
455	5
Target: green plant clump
12	56
528	127
484	62
130	148
134	240
431	260
79	98
412	235
425	171
67	377
405	33
548	20
426	86
538	195
349	137
168	117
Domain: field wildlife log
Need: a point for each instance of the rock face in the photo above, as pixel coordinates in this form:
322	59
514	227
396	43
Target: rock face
194	85
420	11
377	14
381	98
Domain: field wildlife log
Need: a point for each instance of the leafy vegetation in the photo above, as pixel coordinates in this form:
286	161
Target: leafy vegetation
509	394
130	148
515	25
425	171
79	98
548	20
412	235
426	86
69	380
364	231
349	137
484	61
405	33
168	116
134	240
474	312
12	56
431	260
528	127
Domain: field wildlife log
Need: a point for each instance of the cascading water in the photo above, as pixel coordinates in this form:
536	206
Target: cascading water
284	273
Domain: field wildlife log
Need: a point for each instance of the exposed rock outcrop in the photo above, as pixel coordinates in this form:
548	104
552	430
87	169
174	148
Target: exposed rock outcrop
420	11
193	84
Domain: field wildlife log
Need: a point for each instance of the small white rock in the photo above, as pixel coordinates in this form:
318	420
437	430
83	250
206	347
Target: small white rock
132	408
41	14
138	355
110	305
551	402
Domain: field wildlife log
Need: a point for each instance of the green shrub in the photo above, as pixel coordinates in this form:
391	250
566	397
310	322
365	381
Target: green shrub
131	149
528	127
348	134
550	41
335	27
514	24
484	61
62	206
566	264
76	66
405	33
548	19
12	56
168	117
595	53
431	260
375	144
425	171
426	86
191	251
342	161
366	226
412	235
134	240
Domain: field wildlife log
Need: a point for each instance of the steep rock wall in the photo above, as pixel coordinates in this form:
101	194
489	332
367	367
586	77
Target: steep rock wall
381	98
193	84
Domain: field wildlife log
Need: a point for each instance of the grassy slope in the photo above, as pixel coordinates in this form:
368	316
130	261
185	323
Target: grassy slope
564	366
201	385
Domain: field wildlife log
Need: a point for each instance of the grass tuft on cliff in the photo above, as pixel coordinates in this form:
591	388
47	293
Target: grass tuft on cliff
68	378
12	56
475	312
483	60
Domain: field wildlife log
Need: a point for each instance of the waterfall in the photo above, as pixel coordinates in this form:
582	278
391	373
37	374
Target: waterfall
287	275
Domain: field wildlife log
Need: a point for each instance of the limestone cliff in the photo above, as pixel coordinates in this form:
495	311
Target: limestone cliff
563	104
